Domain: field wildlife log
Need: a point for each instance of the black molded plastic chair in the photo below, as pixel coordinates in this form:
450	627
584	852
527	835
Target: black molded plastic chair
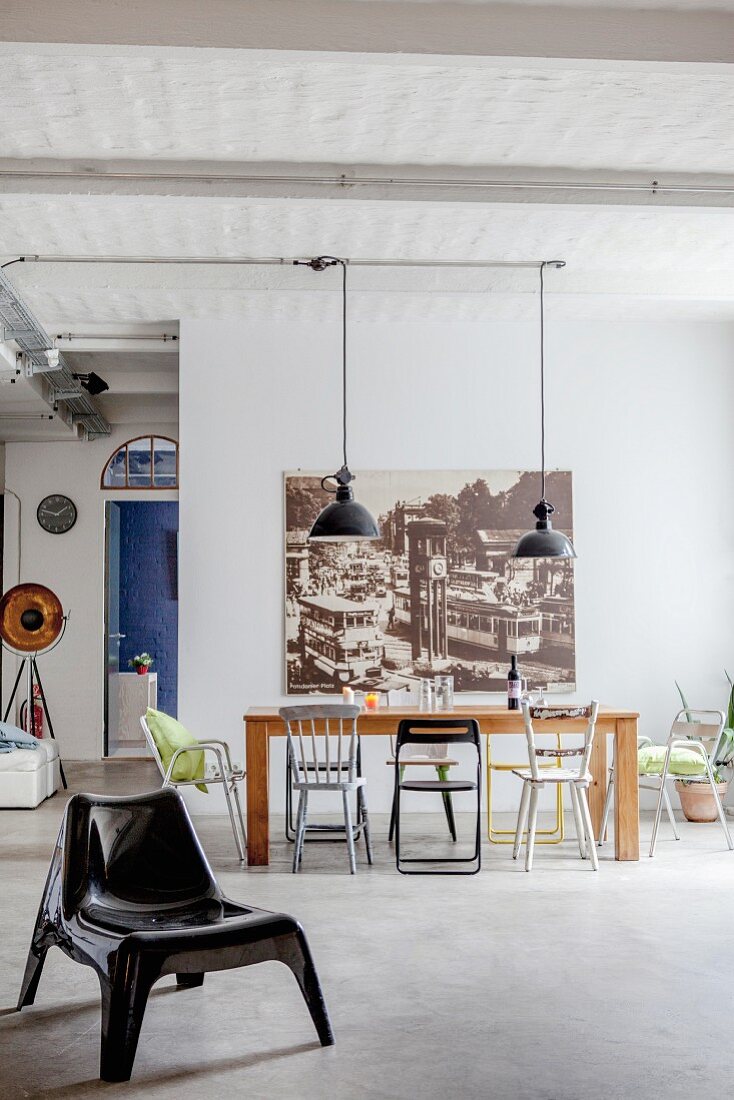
428	731
131	894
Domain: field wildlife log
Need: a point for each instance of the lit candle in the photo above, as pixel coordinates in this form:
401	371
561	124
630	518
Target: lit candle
371	700
348	696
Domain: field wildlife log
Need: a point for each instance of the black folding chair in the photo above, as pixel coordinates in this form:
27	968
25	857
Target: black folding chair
131	894
426	731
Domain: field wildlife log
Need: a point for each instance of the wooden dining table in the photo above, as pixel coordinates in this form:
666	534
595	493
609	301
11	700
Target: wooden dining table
262	723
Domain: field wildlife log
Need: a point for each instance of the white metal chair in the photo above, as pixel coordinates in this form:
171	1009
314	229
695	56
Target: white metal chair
322	752
227	775
699	731
642	742
535	779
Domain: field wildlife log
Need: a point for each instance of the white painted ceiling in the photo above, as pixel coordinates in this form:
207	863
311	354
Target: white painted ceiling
174	109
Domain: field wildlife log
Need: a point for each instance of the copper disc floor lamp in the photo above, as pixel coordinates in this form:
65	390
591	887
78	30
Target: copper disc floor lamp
32	623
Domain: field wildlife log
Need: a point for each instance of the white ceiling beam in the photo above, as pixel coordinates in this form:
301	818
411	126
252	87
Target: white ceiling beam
388	27
361	182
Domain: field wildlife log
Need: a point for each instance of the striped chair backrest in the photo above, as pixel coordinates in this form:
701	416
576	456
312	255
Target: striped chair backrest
322	743
705	726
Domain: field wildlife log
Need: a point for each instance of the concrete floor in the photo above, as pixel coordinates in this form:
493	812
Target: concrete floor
558	985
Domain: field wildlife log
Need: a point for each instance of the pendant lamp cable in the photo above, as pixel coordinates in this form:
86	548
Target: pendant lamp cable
542	384
344	359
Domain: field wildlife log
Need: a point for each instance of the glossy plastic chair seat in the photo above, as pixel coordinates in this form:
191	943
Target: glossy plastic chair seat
130	893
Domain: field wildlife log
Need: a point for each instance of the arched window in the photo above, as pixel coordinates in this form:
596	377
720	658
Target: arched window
148	462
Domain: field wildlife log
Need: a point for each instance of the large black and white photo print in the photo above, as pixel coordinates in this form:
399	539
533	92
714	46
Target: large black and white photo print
439	592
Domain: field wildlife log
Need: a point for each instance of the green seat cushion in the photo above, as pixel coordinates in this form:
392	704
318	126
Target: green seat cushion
170	735
650	760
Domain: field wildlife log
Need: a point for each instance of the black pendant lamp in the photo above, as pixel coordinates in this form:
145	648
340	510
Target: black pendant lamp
543	542
344	520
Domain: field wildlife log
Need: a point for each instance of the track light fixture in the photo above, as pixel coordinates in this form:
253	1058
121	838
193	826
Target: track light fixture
92	383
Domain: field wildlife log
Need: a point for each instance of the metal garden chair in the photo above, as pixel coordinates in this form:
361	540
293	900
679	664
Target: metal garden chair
642	743
698	731
226	775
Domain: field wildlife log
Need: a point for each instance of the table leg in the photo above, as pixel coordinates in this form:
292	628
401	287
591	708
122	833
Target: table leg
258	794
599	778
626	791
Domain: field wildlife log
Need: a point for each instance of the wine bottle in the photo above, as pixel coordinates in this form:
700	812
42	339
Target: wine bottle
514	686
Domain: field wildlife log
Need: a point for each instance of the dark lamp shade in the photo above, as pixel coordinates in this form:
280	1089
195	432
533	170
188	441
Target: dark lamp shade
344	521
544	543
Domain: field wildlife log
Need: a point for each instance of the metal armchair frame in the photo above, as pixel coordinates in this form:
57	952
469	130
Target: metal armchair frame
690	730
227	776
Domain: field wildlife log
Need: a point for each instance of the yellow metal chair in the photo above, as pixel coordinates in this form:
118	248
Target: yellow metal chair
507	836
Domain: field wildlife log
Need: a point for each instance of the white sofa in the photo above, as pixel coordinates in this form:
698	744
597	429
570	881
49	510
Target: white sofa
28	776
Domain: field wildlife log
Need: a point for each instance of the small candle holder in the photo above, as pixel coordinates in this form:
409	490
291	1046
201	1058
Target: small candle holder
371	700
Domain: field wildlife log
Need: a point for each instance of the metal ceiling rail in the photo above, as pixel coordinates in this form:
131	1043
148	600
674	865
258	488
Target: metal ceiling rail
34	341
448	183
279	261
164	337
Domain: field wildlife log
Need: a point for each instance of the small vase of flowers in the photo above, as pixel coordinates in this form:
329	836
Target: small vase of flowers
141	663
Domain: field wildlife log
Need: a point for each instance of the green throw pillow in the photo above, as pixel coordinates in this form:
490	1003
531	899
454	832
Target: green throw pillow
650	760
170	735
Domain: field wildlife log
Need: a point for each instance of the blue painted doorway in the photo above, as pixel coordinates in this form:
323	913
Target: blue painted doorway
141	605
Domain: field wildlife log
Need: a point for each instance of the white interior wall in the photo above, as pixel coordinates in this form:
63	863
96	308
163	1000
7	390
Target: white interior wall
640	412
72	565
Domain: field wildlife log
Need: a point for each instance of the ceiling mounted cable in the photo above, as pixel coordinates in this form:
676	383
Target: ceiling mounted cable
278	261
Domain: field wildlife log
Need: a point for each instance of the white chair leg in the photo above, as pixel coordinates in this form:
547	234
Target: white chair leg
521	819
349	833
240	815
671	815
719	808
235	831
607	808
300	830
658	811
532	821
578	819
586	815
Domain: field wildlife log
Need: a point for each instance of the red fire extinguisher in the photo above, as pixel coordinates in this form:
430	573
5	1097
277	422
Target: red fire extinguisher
25	718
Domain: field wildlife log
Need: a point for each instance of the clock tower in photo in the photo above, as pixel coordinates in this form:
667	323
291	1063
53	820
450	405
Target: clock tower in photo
428	570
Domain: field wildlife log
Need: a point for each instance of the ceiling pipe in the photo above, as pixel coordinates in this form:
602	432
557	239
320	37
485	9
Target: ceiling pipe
68	336
651	187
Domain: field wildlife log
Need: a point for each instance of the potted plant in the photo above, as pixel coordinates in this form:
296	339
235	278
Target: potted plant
696	798
141	663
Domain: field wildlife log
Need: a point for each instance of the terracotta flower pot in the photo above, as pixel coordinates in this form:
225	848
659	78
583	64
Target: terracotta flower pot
697	800
141	670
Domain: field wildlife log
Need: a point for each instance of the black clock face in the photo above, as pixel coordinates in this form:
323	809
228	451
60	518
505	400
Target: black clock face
56	514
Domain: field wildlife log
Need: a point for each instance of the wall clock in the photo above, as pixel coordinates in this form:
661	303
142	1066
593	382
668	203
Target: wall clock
56	514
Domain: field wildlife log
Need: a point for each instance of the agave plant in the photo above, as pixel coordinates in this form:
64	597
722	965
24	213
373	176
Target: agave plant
725	755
